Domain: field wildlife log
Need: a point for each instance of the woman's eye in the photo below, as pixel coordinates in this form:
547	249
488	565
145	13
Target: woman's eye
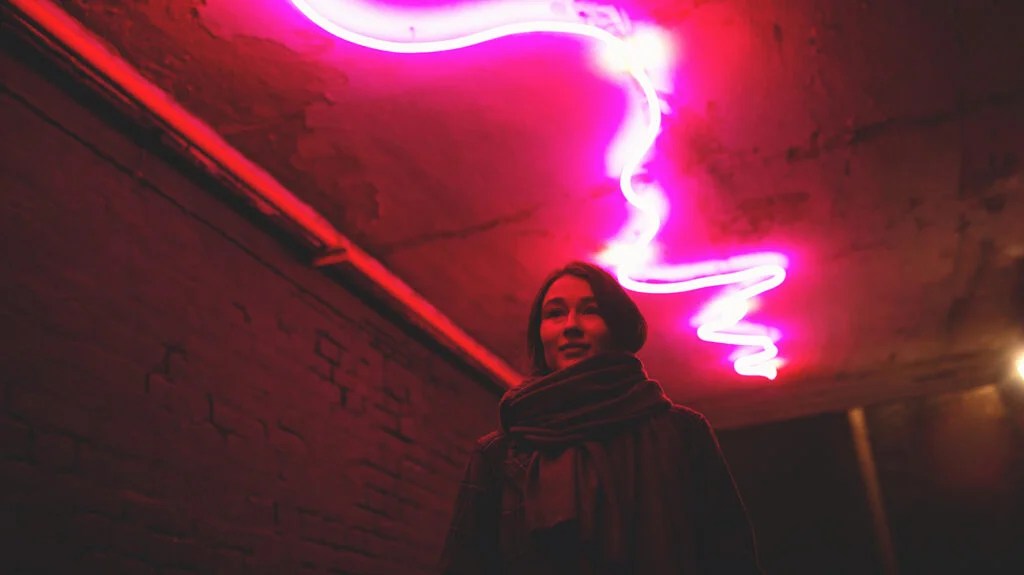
591	310
554	312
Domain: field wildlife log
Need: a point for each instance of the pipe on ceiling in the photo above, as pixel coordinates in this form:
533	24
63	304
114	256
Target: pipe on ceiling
89	55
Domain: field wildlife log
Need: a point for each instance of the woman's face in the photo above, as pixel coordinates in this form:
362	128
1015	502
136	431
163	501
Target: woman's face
571	326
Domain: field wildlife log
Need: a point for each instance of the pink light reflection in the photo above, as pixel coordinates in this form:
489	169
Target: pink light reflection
631	256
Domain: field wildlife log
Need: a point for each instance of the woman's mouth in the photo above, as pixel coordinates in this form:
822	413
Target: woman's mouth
574	349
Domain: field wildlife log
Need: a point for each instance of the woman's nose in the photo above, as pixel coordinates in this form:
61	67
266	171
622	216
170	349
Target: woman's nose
572	322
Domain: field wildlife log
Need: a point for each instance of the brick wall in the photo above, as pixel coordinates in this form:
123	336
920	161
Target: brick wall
179	392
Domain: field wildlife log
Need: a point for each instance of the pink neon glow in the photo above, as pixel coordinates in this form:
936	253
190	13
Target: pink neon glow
632	255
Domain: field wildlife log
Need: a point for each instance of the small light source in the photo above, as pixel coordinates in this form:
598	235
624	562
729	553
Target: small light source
1020	366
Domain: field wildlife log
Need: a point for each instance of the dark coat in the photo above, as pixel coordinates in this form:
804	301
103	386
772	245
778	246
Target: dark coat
681	512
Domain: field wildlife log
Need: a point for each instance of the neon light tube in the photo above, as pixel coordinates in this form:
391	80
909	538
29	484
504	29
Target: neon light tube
409	31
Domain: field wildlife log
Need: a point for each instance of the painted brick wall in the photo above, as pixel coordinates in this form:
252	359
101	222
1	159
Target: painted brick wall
179	392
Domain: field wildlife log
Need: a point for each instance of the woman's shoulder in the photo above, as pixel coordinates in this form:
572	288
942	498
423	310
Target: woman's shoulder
491	441
687	417
491	450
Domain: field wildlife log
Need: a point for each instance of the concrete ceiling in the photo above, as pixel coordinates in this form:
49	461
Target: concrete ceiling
878	144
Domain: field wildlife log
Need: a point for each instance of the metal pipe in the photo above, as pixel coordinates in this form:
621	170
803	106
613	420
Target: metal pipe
50	23
869	473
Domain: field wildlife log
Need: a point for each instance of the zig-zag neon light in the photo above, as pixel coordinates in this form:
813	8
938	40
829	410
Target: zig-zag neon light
631	255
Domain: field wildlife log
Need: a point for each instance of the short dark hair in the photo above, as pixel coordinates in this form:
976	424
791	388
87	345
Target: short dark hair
626	324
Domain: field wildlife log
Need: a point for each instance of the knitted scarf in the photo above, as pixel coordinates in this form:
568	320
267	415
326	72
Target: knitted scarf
564	416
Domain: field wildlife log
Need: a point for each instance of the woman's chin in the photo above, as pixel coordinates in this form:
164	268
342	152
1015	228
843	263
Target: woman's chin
568	363
571	361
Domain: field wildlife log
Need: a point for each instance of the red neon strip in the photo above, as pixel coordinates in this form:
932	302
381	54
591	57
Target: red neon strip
271	196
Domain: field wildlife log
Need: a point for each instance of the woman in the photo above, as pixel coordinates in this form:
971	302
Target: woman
593	471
